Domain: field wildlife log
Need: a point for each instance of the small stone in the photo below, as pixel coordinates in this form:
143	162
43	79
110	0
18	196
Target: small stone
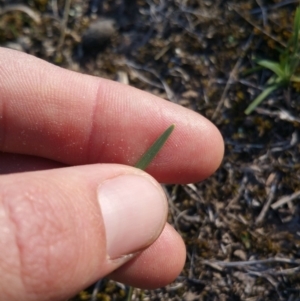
240	254
122	77
190	94
14	46
98	35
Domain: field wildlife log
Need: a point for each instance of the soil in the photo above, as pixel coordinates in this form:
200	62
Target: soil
242	225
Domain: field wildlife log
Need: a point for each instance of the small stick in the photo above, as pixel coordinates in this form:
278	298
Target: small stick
285	200
266	206
252	262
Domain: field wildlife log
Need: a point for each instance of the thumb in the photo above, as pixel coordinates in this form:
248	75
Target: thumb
63	229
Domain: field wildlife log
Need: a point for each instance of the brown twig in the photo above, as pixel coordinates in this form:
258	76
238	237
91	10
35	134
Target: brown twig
258	27
232	77
285	199
252	262
270	199
35	16
64	25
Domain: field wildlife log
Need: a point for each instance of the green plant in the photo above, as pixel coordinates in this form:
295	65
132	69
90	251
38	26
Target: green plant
145	160
153	150
284	70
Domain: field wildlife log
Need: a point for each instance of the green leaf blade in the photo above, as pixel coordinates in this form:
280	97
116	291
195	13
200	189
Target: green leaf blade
295	78
296	29
260	98
273	66
150	154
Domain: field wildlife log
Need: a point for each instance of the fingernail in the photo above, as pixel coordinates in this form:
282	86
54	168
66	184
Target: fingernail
134	211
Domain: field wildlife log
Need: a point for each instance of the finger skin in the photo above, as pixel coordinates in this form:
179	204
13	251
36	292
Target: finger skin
52	235
14	163
149	270
75	119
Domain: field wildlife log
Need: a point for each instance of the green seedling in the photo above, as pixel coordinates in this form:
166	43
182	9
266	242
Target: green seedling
153	150
284	70
146	159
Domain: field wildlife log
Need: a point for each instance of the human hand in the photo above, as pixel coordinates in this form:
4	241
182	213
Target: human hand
56	126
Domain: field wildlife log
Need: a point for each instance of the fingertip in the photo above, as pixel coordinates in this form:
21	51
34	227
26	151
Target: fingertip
193	152
158	265
78	119
56	234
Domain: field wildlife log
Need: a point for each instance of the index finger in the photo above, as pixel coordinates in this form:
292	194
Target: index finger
75	119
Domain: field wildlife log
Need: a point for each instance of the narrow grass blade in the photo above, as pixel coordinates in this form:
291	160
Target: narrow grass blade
260	98
273	81
294	56
296	29
252	70
154	149
130	293
295	79
273	66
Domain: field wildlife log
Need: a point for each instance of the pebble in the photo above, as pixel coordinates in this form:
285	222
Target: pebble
98	35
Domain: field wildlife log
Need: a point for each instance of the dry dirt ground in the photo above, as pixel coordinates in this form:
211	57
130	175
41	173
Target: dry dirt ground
242	225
